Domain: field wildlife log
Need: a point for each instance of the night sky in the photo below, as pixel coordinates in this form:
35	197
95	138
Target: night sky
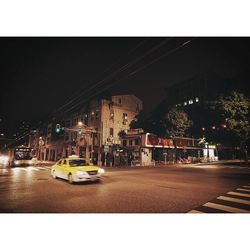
38	75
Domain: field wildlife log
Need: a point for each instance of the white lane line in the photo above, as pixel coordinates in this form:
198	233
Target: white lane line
195	212
25	169
225	208
34	168
41	168
239	194
225	198
243	189
246	186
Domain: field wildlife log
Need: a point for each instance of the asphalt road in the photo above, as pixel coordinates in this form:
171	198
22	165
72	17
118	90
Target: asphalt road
165	189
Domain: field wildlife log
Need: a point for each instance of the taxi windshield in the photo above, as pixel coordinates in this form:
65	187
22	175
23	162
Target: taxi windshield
77	163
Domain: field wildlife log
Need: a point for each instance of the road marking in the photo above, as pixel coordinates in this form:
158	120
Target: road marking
33	168
195	212
225	208
239	194
25	169
225	198
246	186
243	189
41	168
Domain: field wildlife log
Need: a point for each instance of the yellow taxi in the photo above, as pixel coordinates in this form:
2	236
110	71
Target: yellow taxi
76	170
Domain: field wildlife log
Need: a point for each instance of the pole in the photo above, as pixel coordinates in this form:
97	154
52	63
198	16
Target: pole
105	159
92	142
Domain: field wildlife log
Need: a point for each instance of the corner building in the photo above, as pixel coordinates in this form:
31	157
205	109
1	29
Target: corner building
105	116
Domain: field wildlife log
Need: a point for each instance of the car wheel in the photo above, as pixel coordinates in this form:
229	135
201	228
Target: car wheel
70	178
54	174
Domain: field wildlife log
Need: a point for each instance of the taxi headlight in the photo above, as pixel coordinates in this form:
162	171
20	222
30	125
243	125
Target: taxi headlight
101	171
80	173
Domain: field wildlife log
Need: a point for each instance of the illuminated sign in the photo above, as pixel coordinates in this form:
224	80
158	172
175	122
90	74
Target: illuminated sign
155	141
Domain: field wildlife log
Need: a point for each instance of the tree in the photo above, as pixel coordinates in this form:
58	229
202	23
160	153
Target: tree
138	121
122	133
234	111
177	122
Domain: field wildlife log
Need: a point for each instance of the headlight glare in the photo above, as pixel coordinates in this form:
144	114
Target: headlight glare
101	171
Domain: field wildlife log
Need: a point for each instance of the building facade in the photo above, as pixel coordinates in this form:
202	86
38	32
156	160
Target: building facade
87	132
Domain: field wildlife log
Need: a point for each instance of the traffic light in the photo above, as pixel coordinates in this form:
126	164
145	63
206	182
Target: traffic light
58	128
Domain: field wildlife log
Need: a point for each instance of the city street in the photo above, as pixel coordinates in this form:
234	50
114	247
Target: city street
163	189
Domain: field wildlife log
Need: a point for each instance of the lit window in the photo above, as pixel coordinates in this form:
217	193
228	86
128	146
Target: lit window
190	101
197	99
185	103
125	118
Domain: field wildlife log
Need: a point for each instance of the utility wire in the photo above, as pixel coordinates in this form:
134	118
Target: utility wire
120	70
106	70
130	74
123	68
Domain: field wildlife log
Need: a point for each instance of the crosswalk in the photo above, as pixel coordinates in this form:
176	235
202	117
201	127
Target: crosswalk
236	201
25	169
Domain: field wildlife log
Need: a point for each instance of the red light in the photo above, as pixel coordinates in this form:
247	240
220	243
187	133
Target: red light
213	127
203	129
223	125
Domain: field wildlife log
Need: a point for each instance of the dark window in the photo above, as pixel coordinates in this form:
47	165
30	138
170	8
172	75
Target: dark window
137	141
66	136
96	115
120	100
124	143
137	107
130	142
111	132
76	163
67	123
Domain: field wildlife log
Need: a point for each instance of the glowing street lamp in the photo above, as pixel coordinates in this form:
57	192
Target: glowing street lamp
80	123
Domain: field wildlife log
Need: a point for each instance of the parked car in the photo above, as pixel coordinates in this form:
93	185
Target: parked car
76	170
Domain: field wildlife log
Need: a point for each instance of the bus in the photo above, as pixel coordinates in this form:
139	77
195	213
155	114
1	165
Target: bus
21	155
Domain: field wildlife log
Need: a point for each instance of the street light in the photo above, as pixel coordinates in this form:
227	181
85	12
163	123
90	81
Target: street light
80	123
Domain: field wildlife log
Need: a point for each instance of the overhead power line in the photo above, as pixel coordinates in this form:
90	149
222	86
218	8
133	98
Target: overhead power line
127	66
128	75
118	71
